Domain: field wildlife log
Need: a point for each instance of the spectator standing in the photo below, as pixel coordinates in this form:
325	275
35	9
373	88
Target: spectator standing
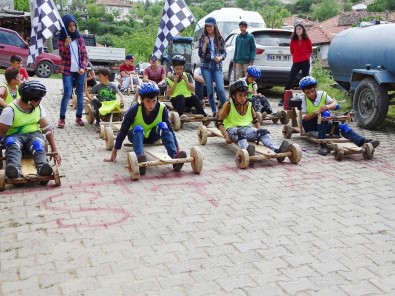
301	50
212	52
16	62
245	51
72	51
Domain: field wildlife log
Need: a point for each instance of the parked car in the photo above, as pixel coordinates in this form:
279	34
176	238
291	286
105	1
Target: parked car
11	43
181	46
273	56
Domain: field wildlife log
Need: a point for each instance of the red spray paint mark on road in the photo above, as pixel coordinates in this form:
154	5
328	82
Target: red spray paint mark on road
49	202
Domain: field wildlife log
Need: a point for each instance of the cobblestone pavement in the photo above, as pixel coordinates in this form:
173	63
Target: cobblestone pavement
321	227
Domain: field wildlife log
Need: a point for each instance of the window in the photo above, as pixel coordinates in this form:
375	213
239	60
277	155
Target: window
272	38
11	39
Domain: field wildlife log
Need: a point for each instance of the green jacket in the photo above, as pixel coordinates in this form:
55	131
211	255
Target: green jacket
245	49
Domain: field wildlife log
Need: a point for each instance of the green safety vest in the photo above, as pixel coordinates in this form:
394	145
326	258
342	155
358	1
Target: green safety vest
23	122
310	108
234	118
139	120
9	98
181	88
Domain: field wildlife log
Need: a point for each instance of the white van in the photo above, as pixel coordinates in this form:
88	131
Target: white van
228	19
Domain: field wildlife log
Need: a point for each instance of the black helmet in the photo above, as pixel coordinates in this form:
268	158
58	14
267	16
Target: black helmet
238	85
178	60
32	90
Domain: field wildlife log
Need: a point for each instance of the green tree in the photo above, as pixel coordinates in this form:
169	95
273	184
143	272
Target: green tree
95	11
325	10
382	5
274	15
22	5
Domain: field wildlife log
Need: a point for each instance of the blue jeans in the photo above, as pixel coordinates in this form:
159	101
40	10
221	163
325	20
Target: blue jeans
137	139
211	76
67	91
325	127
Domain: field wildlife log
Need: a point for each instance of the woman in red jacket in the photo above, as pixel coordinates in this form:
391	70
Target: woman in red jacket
301	49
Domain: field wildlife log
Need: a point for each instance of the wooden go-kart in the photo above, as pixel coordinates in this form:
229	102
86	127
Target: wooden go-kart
178	121
281	116
243	159
160	157
340	146
29	172
132	86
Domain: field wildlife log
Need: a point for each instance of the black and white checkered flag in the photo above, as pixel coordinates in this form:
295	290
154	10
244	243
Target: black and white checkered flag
46	21
175	17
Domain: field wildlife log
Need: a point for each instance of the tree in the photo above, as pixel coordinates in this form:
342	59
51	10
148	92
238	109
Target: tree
325	10
382	5
274	15
22	5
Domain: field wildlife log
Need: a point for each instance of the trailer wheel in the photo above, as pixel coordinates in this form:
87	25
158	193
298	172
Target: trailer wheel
370	104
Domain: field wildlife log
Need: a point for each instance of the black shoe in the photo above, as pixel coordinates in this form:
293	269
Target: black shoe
11	172
45	170
178	166
281	103
375	143
142	169
284	147
323	150
251	150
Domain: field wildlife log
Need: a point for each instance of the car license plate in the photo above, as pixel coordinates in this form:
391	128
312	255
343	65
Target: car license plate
278	57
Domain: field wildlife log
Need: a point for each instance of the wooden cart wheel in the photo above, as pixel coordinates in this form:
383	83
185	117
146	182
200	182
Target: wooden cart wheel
287	131
296	153
284	118
197	162
109	138
89	113
103	132
367	150
133	166
259	117
242	158
2	180
275	120
56	176
339	152
202	135
264	114
175	121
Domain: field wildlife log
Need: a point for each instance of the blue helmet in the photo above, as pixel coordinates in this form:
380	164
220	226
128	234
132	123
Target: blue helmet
149	89
307	82
254	71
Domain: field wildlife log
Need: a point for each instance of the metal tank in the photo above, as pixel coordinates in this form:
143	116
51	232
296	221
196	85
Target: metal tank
362	60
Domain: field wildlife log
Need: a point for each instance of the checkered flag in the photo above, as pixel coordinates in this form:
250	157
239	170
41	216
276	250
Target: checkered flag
46	21
175	17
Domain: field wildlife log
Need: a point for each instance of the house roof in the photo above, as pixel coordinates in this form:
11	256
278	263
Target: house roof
117	3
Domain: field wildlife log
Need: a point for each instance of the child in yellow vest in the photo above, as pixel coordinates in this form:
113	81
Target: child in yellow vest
9	89
235	120
146	123
180	88
23	124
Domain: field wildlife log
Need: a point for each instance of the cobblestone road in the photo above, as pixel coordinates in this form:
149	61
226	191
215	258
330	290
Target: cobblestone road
321	227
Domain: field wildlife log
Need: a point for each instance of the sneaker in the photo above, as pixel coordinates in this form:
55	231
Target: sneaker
12	172
97	127
61	123
375	143
142	169
79	121
183	117
281	103
284	147
323	150
178	166
251	150
45	170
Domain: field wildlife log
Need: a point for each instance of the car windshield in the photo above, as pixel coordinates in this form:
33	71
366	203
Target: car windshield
272	38
182	48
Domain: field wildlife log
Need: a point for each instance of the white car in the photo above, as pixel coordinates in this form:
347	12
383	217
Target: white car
272	56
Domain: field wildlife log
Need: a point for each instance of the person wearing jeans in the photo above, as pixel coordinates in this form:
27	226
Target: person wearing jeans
316	102
212	52
147	123
74	63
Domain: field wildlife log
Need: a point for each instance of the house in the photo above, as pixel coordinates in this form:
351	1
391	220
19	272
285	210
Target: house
121	8
322	33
